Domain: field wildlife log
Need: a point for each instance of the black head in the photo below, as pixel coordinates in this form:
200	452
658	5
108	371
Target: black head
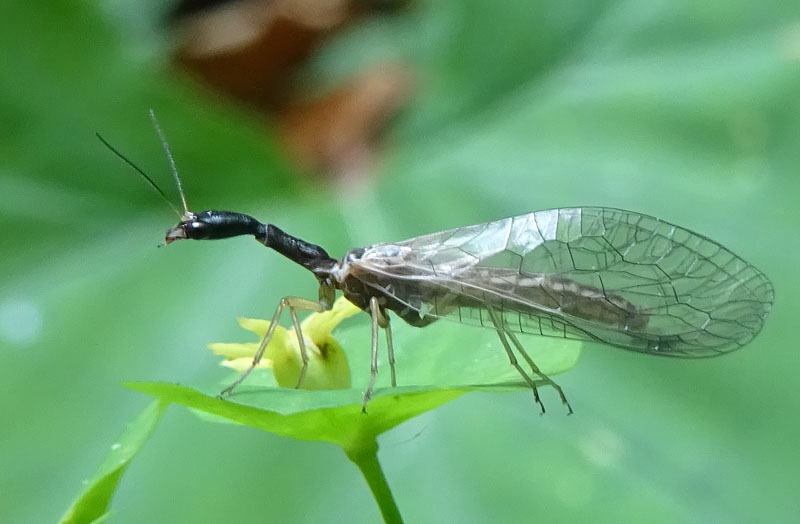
213	225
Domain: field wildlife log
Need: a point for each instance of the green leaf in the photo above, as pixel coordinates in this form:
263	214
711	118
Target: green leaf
447	354
336	415
442	357
91	506
331	416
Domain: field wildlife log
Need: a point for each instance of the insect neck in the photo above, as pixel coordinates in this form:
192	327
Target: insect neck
310	256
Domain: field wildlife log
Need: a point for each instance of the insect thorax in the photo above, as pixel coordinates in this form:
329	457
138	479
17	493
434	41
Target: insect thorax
359	286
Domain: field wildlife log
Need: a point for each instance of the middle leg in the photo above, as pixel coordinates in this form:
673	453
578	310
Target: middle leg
379	320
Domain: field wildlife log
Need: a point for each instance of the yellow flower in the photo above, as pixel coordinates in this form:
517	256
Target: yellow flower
327	363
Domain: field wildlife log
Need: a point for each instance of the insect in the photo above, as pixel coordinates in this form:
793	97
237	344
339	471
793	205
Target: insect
598	274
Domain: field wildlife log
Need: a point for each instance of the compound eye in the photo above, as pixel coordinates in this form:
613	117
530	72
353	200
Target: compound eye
197	230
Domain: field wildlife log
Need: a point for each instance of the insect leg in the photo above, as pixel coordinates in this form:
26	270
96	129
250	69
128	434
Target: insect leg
501	333
390	349
301	341
294	304
375	313
535	369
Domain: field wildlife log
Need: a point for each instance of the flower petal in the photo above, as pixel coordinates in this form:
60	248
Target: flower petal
241	364
320	325
234	351
259	326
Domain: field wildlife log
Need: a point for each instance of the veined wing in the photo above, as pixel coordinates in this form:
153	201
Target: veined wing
618	277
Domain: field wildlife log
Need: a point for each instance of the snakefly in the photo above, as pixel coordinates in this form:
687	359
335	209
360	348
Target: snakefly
597	274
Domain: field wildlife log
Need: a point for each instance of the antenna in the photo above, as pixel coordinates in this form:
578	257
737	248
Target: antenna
141	172
165	145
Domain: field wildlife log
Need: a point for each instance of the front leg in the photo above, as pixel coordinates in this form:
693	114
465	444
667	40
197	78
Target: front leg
294	304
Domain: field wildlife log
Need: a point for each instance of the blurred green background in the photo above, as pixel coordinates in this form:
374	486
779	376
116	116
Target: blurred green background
684	110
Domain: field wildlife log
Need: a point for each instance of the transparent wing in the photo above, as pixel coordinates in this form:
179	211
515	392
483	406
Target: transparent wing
618	277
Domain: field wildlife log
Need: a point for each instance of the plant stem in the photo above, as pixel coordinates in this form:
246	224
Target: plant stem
366	458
